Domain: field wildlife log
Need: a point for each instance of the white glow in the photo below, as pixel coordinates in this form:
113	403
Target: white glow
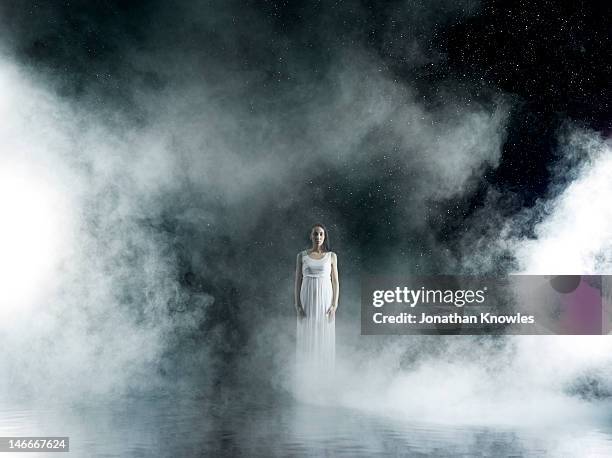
30	229
575	238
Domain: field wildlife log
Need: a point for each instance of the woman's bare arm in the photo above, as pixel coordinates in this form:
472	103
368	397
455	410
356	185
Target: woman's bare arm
335	281
298	282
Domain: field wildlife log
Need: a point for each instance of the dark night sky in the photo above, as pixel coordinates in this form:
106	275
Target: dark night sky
270	67
553	56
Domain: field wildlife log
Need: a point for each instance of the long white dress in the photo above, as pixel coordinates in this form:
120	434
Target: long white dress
316	333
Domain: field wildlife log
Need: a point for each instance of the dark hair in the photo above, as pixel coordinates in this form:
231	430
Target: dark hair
326	244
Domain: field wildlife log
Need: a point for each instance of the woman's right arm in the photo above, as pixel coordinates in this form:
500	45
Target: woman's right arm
298	283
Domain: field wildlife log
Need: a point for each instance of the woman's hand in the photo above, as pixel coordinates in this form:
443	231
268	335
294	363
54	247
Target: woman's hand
331	312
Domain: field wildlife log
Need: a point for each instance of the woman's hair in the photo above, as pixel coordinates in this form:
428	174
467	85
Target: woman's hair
326	244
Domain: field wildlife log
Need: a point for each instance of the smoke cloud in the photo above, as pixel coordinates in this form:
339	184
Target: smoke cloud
191	149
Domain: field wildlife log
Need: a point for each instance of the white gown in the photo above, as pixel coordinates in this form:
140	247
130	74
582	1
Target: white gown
316	333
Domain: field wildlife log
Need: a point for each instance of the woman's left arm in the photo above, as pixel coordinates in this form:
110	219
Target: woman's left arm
335	282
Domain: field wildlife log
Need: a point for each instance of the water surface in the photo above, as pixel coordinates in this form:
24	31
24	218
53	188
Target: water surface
182	426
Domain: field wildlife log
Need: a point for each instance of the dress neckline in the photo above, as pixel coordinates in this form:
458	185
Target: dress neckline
316	259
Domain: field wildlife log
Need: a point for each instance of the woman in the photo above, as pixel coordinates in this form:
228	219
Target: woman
316	301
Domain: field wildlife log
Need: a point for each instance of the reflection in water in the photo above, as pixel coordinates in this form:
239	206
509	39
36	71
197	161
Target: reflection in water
188	427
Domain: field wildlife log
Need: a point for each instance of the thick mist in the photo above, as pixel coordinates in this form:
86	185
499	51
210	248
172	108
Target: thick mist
186	150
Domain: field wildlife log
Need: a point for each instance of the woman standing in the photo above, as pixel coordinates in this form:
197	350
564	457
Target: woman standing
316	301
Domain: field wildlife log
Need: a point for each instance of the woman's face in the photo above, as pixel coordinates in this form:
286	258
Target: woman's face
317	235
